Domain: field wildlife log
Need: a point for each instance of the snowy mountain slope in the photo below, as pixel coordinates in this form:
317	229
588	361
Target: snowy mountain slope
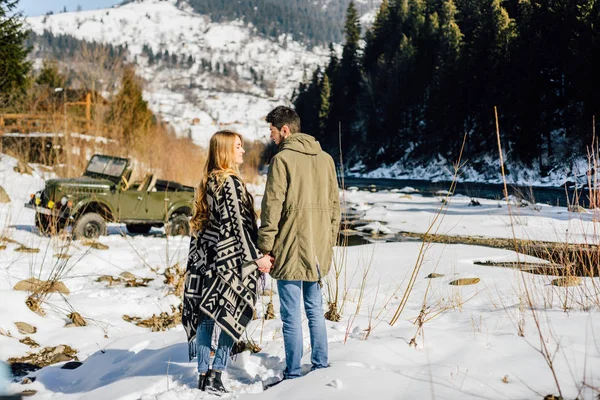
236	76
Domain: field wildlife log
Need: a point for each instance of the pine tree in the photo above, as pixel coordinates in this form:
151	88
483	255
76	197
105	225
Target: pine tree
346	88
50	76
129	110
332	67
324	104
375	36
444	121
14	66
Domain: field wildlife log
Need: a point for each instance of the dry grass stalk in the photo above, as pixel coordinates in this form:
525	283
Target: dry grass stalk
25	328
6	239
58	271
332	313
4	197
62	256
544	350
127	281
5	333
361	293
270	313
37	286
244	345
25	249
47	356
175	277
340	252
433	227
35	304
77	319
464	281
158	322
371	327
94	244
29	342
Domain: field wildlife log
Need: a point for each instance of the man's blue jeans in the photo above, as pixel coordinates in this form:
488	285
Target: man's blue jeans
290	293
203	341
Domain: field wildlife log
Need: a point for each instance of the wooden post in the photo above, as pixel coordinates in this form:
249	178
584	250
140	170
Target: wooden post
88	111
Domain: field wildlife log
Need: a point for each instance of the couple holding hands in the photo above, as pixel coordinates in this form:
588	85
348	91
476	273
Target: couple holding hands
300	217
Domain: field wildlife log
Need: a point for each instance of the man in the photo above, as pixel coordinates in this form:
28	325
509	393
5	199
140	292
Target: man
300	218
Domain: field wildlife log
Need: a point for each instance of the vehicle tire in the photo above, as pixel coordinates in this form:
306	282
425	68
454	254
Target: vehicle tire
138	228
179	224
89	226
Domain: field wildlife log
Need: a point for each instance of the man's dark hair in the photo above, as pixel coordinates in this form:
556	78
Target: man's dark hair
281	115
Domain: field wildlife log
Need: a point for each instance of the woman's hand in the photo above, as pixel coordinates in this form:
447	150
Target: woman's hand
265	263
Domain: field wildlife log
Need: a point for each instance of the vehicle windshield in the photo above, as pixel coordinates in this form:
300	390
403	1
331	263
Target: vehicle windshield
108	166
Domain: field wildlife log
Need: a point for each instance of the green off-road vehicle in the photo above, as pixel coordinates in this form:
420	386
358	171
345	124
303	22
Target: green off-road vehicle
104	194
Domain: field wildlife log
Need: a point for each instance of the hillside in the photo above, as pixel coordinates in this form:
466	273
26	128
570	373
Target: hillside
201	75
313	22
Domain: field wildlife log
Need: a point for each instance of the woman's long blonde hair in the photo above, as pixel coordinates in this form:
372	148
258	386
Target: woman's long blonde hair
220	164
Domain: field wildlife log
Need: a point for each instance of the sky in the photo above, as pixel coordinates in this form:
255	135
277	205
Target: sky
33	8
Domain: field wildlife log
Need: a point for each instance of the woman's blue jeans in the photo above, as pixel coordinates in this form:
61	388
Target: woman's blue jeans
290	294
203	342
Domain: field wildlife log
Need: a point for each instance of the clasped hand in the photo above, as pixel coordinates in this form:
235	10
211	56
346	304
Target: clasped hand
265	263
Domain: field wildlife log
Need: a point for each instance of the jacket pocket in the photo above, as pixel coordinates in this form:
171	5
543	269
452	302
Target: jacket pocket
285	248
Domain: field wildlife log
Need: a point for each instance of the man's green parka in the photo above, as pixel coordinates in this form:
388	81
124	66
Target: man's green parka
300	214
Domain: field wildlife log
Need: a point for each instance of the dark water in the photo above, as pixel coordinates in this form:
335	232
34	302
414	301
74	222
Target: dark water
534	194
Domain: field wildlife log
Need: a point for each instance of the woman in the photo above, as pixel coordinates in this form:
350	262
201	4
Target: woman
222	271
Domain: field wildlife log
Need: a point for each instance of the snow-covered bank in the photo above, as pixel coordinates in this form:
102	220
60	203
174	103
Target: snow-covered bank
485	170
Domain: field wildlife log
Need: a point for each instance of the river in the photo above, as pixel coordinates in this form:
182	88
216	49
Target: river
534	194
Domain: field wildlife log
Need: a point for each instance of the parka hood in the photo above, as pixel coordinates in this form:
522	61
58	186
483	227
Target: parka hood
302	143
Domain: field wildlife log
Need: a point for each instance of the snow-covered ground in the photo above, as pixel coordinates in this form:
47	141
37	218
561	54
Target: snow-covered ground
477	341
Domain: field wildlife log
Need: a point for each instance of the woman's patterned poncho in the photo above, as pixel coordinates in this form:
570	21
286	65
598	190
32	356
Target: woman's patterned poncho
222	278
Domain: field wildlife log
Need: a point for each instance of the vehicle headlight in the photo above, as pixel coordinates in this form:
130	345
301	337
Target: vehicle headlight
64	200
51	204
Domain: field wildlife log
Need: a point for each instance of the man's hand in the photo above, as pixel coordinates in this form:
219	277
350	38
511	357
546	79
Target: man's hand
265	263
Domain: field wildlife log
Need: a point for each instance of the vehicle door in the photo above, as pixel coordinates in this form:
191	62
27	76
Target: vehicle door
132	202
157	202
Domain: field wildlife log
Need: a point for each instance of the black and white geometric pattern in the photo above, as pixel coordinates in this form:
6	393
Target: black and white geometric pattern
222	278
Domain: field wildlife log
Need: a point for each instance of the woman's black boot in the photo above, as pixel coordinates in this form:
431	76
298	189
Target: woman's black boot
213	382
202	381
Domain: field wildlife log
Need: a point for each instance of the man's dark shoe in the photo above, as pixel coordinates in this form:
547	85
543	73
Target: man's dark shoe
213	383
201	381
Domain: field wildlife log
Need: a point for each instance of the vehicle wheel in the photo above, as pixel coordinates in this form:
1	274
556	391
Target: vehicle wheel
89	226
139	228
179	225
